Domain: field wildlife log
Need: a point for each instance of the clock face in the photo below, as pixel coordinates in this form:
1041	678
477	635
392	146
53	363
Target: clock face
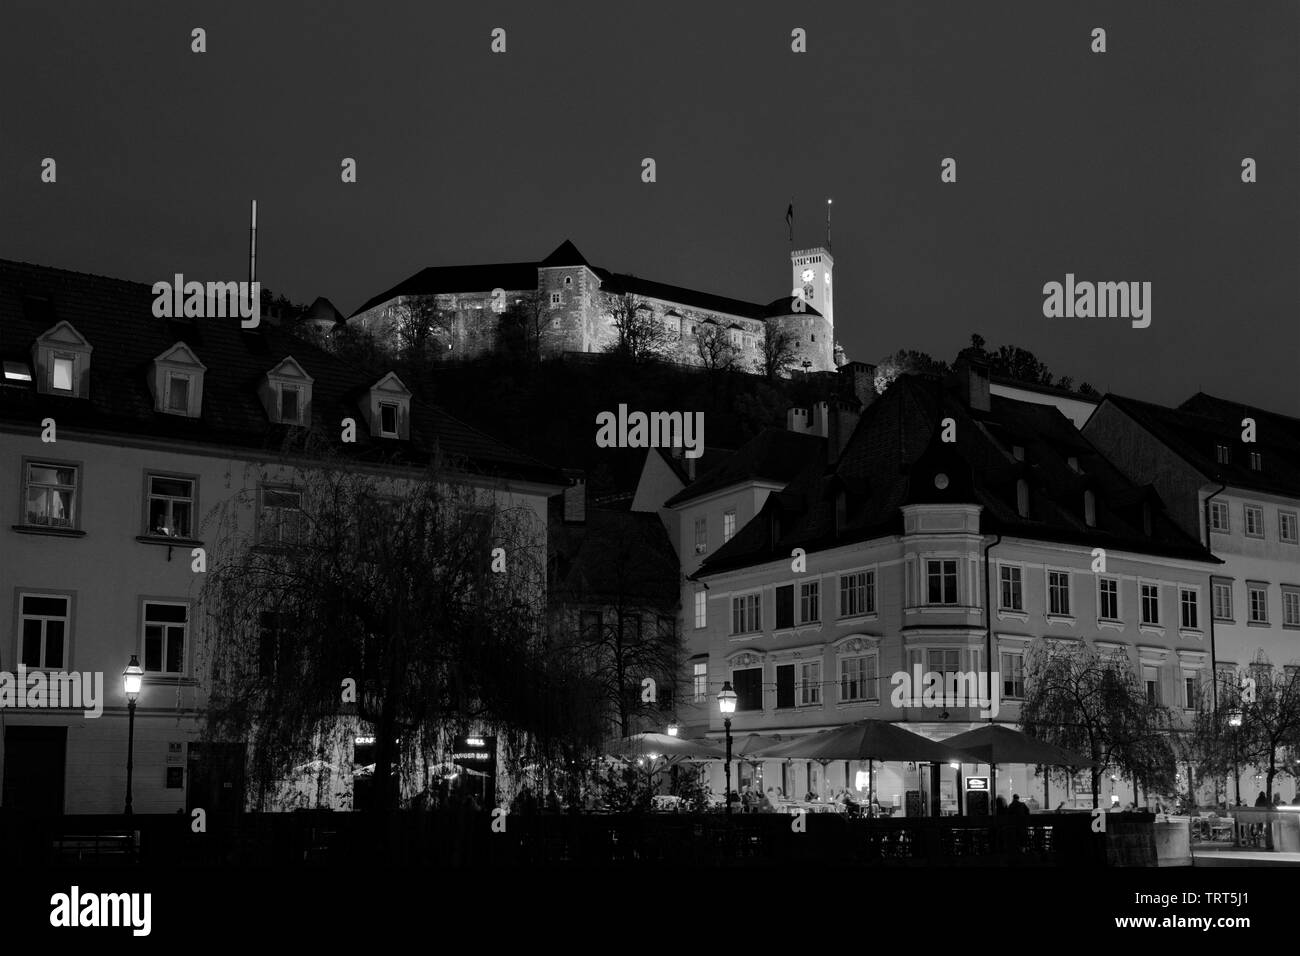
807	275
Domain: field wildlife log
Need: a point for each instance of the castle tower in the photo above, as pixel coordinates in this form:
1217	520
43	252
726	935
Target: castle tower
811	271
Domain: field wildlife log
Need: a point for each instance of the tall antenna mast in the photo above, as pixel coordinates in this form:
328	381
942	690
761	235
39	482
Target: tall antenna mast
828	225
252	247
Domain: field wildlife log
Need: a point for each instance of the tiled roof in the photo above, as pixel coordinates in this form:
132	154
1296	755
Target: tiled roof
116	318
774	454
1195	428
619	284
895	452
612	556
438	280
712	458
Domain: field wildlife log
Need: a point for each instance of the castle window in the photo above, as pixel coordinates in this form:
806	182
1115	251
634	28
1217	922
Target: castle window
813	337
568	280
556	298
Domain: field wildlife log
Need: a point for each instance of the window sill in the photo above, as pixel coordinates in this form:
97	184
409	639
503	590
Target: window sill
1258	624
808	627
1011	614
1191	634
747	636
155	679
1225	620
1110	623
845	704
1065	619
162	539
1152	629
1291	627
53	532
816	706
780	632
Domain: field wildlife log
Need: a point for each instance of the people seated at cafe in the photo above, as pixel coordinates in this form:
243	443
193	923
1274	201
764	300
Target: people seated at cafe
1261	800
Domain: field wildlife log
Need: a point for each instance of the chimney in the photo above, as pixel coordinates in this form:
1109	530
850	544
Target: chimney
575	498
971	371
844	416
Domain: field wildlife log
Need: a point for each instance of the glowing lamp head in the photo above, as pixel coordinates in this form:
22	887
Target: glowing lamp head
727	700
672	730
132	678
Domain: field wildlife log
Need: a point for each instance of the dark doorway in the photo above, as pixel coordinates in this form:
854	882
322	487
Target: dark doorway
35	759
216	778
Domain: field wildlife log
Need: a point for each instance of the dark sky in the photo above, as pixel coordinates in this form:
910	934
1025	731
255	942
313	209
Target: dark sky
1122	166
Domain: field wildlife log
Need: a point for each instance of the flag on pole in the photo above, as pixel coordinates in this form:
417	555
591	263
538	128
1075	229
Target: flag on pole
789	219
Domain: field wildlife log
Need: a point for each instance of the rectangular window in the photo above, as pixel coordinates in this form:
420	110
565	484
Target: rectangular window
858	678
1222	455
748	685
1258	596
51	494
1058	592
555	298
701	608
61	374
941	581
857	593
590	624
280	522
784	685
1108	599
178	392
1150	604
1151	681
1254	521
1291	608
701	535
43	625
388	419
1012	593
1188	609
1190	684
810	683
289	408
166	626
1013	675
809	602
1222	601
728	525
946	662
745	614
1256	461
1287	530
1219	516
785	606
700	682
171	506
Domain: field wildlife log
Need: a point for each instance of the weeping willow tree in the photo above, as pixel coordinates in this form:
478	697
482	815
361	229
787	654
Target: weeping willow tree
342	597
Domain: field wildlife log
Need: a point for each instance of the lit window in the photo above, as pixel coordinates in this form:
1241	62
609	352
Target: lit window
700	679
17	372
728	525
701	608
1013	675
44	629
51	495
701	535
171	506
166	626
61	374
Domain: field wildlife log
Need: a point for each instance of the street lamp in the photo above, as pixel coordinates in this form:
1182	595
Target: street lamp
672	729
727	705
1234	721
132	679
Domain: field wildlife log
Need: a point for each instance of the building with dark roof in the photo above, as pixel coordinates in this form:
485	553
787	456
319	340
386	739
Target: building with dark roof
946	530
569	300
1230	476
124	439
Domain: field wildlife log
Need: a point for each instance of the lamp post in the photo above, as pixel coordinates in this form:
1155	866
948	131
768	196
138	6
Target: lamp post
673	729
727	705
1234	721
132	678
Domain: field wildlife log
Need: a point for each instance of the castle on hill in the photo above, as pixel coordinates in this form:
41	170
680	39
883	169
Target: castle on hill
574	302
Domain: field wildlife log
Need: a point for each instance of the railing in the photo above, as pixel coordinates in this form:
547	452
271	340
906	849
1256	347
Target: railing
314	838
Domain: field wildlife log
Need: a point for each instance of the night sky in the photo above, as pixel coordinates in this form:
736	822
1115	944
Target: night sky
1117	166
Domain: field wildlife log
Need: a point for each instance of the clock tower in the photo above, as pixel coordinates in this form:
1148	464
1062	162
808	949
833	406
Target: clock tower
811	271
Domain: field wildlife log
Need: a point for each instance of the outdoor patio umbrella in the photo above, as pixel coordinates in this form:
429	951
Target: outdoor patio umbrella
664	745
995	743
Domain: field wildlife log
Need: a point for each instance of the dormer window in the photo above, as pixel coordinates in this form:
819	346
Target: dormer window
61	360
1090	509
177	382
1073	463
286	393
1022	498
17	372
388	408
